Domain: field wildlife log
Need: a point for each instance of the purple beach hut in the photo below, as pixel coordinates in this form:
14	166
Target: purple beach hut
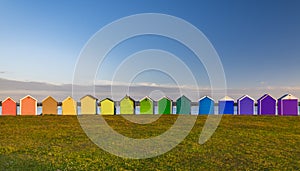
288	105
266	105
245	105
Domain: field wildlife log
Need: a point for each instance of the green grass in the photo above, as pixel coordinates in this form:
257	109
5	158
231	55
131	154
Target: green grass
240	143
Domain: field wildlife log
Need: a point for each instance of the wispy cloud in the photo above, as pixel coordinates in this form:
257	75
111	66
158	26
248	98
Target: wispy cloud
146	84
117	90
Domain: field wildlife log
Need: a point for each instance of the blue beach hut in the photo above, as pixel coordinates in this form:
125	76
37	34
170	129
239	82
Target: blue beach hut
206	105
226	105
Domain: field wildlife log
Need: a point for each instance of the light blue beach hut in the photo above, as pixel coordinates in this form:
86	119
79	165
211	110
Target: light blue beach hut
206	105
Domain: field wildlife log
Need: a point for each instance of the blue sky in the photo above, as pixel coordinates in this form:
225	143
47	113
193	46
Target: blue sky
258	41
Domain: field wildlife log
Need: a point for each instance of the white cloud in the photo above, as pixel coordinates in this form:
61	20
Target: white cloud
103	89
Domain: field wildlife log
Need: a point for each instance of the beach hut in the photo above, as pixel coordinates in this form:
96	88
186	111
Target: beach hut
245	105
266	105
69	106
127	105
206	105
146	106
49	106
28	106
226	105
88	105
9	107
107	107
288	105
183	105
165	106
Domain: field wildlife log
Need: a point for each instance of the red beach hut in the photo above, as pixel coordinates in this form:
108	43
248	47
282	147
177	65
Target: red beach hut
9	107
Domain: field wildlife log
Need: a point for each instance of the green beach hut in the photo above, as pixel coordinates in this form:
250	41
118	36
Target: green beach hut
183	105
165	106
146	106
127	105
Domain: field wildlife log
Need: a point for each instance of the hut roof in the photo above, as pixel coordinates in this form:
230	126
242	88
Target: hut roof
288	97
226	98
48	98
107	99
183	96
264	96
146	97
27	97
206	97
90	96
69	97
9	98
165	97
128	98
245	96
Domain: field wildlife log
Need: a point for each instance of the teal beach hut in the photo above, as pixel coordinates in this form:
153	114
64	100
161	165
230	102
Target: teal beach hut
183	105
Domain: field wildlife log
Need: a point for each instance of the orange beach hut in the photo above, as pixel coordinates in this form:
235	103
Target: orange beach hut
49	105
9	107
28	106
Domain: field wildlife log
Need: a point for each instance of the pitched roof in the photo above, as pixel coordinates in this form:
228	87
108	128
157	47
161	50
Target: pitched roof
146	97
90	96
165	97
69	97
206	97
107	99
226	98
183	96
288	97
128	98
27	97
264	96
48	98
245	96
8	98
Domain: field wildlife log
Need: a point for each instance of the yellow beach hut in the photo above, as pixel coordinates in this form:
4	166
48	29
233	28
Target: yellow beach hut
49	106
69	106
88	105
107	107
127	105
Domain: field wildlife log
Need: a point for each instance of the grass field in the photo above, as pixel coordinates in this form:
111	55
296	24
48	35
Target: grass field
240	143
